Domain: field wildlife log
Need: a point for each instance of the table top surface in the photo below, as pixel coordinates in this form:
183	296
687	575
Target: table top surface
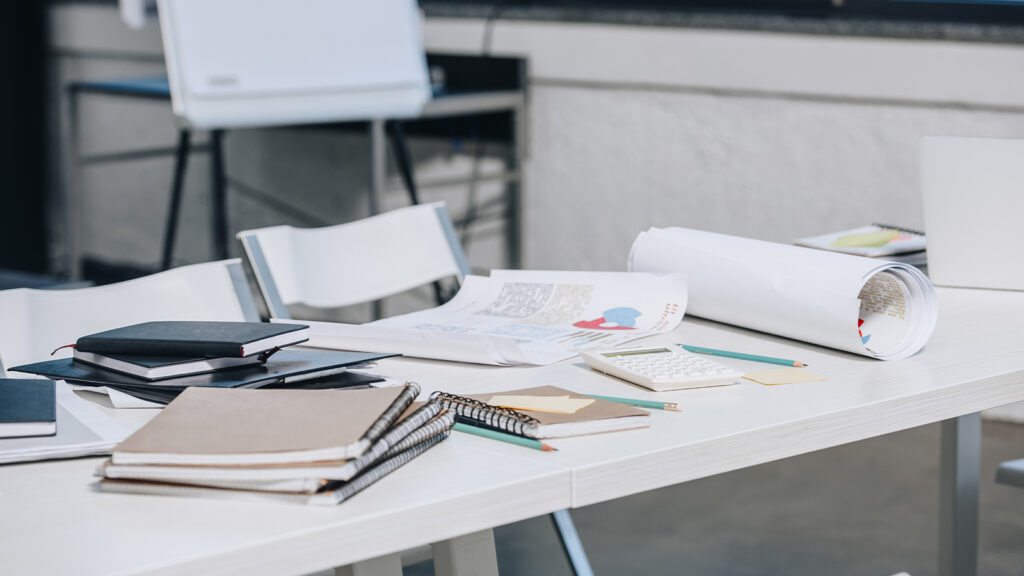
55	520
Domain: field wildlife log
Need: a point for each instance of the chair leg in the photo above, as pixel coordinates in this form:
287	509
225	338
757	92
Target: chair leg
177	185
219	199
571	543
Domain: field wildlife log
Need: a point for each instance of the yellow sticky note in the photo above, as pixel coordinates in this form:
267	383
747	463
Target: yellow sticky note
550	404
775	376
865	240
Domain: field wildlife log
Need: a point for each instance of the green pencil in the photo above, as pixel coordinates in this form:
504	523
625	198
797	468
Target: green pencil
495	435
742	356
641	403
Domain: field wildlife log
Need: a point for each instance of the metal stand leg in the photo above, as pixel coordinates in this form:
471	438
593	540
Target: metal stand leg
219	197
958	496
403	159
469	555
71	193
177	185
378	172
571	543
513	192
378	165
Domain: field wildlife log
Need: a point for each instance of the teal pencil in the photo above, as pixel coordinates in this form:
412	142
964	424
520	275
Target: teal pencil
495	435
641	403
742	356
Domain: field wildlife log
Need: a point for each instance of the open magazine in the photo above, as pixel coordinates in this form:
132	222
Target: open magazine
522	317
877	308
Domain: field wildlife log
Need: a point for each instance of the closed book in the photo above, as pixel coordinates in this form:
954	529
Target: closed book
192	339
598	416
347	379
284	367
428	421
329	494
27	408
238	427
159	367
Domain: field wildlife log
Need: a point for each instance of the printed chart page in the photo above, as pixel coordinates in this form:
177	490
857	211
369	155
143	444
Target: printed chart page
525	317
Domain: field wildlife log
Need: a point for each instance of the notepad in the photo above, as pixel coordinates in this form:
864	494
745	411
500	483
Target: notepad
776	376
598	416
548	404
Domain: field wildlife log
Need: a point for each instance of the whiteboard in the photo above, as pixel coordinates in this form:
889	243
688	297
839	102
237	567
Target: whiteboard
263	62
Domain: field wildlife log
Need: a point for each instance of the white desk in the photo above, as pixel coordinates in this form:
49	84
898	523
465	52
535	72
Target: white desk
53	522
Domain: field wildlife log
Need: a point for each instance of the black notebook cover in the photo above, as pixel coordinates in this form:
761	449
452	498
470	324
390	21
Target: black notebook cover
347	380
183	338
280	368
152	367
25	401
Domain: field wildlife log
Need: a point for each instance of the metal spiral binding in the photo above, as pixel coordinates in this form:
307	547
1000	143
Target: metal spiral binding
494	416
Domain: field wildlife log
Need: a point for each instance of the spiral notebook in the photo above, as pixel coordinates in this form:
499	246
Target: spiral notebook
428	421
332	494
599	416
240	427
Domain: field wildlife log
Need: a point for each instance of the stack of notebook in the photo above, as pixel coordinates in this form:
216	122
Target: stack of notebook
155	361
309	446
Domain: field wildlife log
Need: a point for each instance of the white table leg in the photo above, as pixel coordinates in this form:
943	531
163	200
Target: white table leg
958	496
389	565
469	555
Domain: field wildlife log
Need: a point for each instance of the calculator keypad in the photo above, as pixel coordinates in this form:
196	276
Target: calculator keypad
664	370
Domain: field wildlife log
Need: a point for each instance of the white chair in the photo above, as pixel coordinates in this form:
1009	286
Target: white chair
35	322
356	262
364	261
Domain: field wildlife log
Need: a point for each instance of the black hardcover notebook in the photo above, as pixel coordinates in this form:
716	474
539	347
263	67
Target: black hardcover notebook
194	339
27	407
150	367
283	367
347	380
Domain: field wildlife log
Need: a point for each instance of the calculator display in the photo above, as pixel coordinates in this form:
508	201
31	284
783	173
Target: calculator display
637	352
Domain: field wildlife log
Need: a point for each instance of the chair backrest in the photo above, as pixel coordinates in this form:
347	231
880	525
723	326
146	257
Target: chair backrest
238	63
354	262
35	322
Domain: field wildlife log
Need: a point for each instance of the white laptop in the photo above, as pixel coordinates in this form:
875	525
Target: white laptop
973	211
236	63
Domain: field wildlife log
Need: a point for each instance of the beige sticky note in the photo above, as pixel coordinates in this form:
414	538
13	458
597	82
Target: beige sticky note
782	376
866	239
550	404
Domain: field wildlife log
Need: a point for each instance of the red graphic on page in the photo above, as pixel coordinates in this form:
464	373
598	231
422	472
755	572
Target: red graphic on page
623	318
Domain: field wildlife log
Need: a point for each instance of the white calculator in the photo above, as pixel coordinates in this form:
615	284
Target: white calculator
661	368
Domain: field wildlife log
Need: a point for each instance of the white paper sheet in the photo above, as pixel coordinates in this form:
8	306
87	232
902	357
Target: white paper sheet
523	317
877	308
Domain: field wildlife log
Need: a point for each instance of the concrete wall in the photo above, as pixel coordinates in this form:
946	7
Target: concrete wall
768	135
774	136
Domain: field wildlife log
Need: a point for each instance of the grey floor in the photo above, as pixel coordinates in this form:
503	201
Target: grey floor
863	509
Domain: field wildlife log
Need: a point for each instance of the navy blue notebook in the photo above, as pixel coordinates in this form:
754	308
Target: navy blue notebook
194	339
282	368
27	407
346	380
149	367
